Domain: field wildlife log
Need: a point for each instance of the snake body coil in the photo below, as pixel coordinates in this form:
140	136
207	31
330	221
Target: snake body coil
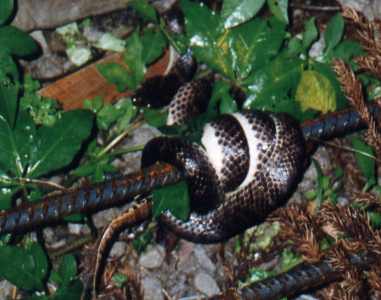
247	167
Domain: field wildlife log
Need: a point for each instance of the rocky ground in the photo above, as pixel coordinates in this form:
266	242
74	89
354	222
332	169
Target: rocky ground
190	271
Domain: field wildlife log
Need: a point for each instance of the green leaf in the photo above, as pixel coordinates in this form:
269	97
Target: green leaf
119	279
236	12
155	117
315	91
208	39
8	100
347	49
279	9
366	164
334	32
25	268
56	146
6	10
273	83
8	67
17	42
133	57
310	33
144	9
154	43
174	198
72	291
115	74
67	269
253	44
6	197
24	136
10	159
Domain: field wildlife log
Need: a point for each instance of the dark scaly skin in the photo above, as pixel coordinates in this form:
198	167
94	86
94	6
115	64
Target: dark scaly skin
274	180
237	212
114	192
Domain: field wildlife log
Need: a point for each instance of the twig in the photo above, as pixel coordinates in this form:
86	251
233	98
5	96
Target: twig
315	7
122	136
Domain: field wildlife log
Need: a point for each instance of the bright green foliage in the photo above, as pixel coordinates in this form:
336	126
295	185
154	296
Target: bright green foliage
334	32
236	12
144	9
271	87
43	110
119	279
6	10
279	9
65	138
17	42
174	198
310	33
153	43
140	51
366	164
69	287
25	267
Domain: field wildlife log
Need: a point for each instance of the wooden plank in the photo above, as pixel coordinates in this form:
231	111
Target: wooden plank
87	83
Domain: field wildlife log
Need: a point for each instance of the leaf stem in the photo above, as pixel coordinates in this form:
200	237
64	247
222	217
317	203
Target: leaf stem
121	136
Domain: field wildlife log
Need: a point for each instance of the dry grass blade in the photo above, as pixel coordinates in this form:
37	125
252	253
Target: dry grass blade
353	90
298	226
354	224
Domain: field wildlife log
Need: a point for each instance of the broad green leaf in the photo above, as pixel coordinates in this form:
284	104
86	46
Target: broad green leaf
366	164
279	9
208	39
347	49
10	159
155	117
17	42
25	268
315	91
115	74
8	67
72	291
40	260
6	196
6	10
9	91
236	12
144	9
253	44
310	33
154	43
67	269
57	146
174	198
24	136
133	57
334	32
273	83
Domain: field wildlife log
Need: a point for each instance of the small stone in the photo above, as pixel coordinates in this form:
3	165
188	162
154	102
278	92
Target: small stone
118	249
152	258
6	289
152	289
203	259
206	284
78	229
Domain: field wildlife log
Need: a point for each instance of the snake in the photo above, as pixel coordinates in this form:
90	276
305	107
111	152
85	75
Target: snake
247	165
